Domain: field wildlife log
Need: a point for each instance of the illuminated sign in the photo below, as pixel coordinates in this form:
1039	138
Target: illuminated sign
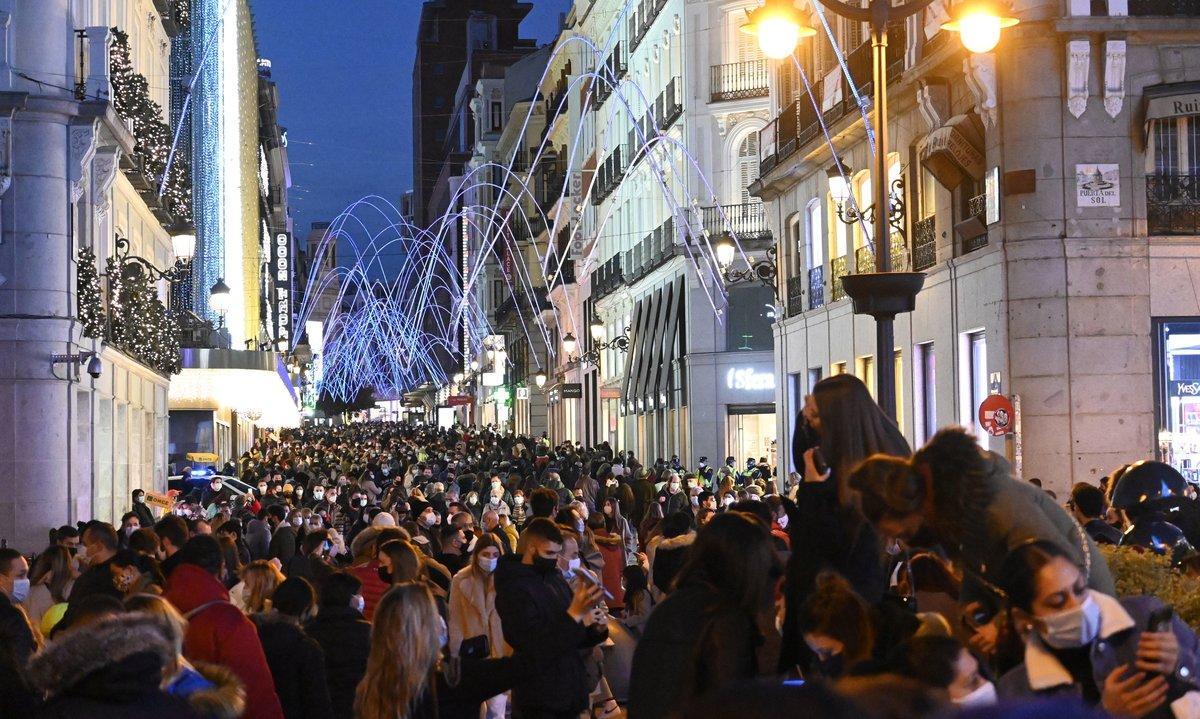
281	263
745	378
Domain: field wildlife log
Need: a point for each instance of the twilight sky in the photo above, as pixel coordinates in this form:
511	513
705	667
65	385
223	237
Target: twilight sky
344	70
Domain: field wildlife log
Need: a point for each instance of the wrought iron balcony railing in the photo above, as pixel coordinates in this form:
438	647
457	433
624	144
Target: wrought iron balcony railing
1173	204
839	267
816	287
976	207
864	260
795	294
924	250
747	221
739	80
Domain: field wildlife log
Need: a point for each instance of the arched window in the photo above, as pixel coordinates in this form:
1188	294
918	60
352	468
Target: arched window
864	231
795	245
815	233
745	167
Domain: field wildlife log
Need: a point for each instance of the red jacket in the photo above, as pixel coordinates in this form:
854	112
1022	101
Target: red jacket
219	633
373	588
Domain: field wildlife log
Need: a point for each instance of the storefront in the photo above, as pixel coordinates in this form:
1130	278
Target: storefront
1177	396
745	392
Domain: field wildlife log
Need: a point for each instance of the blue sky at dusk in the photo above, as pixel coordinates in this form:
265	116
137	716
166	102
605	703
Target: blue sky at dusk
344	71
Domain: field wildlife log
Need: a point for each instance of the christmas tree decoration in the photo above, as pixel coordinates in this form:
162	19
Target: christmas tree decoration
89	297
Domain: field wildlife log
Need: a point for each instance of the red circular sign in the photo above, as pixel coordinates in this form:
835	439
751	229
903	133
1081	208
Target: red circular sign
996	415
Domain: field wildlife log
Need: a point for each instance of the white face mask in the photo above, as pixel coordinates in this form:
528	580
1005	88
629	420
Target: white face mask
782	521
1074	627
297	521
20	590
488	564
318	496
983	696
358	603
518	501
572	565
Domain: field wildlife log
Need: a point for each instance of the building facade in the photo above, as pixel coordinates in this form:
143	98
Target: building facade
1047	210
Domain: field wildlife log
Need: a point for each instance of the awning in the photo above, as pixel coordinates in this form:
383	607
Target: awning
674	306
253	384
1163	102
631	359
954	151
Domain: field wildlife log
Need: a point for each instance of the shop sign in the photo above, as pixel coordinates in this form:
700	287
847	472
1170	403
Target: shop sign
154	499
283	286
572	390
455	400
1185	388
747	379
1098	185
996	415
522	393
1173	106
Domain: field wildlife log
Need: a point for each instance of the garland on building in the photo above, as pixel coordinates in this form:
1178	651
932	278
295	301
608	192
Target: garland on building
89	295
139	323
181	10
152	136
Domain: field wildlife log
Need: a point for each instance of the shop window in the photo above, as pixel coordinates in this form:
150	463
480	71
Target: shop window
974	381
1177	374
1173	169
925	392
751	312
750	432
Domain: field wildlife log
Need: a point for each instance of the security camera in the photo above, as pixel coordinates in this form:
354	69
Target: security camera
95	367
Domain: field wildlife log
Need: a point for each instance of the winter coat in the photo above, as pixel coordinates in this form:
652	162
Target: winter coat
212	690
1122	622
16	644
533	614
690	645
297	665
258	538
283	543
345	639
144	514
473	611
108	670
373	587
612	549
218	632
1017	513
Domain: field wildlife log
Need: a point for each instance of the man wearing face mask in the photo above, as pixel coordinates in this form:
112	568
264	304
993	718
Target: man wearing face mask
100	544
547	624
16	638
283	535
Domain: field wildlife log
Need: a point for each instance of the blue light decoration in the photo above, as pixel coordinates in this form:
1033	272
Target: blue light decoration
389	328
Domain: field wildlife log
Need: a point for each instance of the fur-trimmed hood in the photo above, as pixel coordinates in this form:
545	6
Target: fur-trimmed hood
80	653
683	540
226	699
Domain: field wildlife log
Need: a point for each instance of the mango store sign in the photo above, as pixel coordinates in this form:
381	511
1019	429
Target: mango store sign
747	379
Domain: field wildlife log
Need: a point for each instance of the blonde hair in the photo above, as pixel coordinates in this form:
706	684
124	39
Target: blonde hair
404	651
174	623
261	579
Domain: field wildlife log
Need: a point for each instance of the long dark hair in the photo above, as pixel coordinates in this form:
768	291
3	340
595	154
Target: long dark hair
734	555
947	479
1019	572
835	610
853	428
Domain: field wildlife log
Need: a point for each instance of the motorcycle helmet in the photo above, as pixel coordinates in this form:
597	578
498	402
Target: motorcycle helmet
1146	481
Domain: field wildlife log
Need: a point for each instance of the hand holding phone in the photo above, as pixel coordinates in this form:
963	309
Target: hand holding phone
1158	648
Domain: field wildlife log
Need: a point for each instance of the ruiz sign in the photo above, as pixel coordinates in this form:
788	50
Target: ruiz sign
745	378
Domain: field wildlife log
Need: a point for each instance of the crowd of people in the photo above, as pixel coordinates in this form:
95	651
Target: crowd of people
387	570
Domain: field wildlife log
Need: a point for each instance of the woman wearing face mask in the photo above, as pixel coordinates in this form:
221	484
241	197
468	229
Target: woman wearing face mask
618	525
518	514
943	663
473	619
1082	642
50	581
129	524
144	515
296	660
835	624
411	675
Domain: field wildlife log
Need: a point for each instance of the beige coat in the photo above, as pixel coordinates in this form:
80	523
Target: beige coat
473	611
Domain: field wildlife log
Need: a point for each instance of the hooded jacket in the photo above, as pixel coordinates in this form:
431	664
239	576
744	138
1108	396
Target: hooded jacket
218	632
110	669
212	690
297	665
533	615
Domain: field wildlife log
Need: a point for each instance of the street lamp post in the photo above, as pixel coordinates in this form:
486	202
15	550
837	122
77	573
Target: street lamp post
882	294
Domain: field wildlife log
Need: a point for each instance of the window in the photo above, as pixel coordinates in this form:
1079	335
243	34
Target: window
837	368
751	312
925	391
815	249
1176	145
839	232
898	383
974	379
795	246
864	230
746	167
866	372
814	376
496	116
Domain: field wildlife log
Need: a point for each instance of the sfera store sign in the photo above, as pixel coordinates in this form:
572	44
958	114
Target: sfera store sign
748	379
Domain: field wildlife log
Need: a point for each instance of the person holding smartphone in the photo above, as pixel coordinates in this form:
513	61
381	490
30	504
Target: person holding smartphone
1130	656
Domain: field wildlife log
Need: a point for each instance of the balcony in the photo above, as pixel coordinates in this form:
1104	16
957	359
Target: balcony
800	122
816	287
795	295
924	250
739	81
839	268
611	71
641	18
976	207
659	117
668	107
747	222
607	277
649	254
864	261
609	174
1173	204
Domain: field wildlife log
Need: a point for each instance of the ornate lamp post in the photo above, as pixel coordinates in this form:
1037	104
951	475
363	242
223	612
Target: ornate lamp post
882	294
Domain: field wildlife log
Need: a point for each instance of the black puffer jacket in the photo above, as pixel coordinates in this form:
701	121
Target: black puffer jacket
297	665
533	612
345	638
108	670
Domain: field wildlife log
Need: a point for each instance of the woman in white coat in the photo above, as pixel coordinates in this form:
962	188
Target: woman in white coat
473	610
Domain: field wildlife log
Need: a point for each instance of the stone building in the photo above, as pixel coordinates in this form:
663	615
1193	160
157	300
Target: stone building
1048	189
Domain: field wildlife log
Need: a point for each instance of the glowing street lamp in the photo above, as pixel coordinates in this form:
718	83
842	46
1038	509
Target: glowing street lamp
979	22
183	243
474	365
540	379
459	377
778	26
597	328
839	188
569	343
725	253
218	297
